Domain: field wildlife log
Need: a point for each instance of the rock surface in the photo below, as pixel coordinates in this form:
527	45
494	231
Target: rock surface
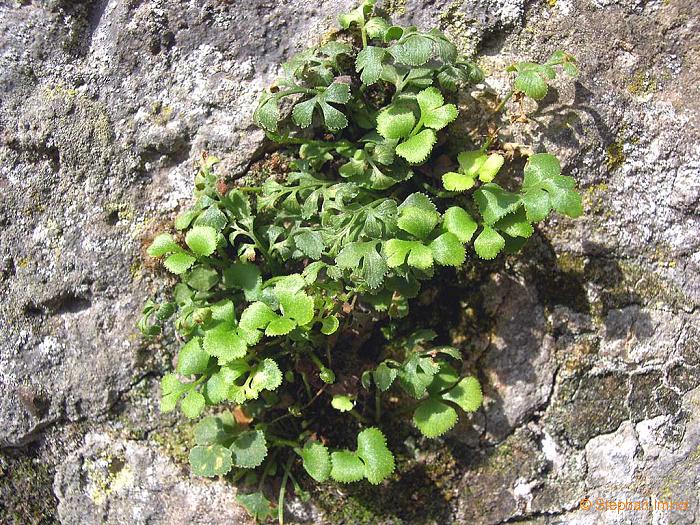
588	343
113	481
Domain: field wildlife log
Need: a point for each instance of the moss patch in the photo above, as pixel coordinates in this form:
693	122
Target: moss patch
26	492
176	441
419	493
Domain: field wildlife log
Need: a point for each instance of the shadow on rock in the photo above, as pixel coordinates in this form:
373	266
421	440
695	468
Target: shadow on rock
563	124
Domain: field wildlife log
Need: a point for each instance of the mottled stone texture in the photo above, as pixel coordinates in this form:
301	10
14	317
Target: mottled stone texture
588	342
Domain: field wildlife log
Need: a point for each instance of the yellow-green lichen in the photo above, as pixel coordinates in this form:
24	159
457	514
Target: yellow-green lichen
460	28
618	283
136	271
330	36
668	486
661	254
579	355
642	84
35	204
594	199
119	211
161	113
615	155
58	90
651	287
694	456
570	262
106	475
81	129
395	7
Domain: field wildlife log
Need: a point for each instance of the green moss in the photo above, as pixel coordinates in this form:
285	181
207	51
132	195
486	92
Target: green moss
501	458
176	441
26	492
569	262
419	491
349	510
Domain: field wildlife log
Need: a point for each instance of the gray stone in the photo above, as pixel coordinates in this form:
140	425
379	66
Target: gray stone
119	482
610	457
518	362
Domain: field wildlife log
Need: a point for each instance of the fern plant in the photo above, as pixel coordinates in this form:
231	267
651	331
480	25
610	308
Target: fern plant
273	276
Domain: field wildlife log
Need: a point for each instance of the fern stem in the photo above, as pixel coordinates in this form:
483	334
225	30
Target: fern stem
282	442
377	405
266	254
317	361
280	499
488	142
504	101
354	413
270	460
306	384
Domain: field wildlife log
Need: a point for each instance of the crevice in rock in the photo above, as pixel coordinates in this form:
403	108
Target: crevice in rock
534	515
63	303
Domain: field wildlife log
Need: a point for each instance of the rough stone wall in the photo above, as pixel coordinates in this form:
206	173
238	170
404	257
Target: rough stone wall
588	343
